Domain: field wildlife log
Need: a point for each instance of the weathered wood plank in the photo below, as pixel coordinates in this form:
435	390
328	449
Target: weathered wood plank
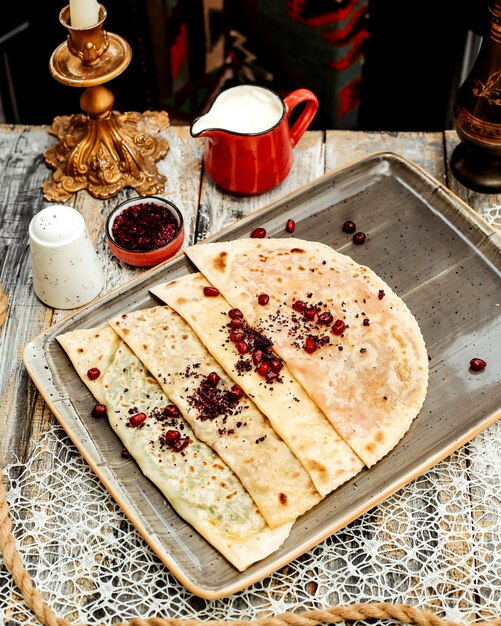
22	172
424	149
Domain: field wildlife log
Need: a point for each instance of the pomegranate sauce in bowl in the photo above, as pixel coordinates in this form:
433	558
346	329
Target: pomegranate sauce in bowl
145	231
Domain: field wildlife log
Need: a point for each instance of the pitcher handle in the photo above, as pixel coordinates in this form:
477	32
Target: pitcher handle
304	120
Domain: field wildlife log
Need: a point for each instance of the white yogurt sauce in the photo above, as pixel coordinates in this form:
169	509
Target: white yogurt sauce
242	109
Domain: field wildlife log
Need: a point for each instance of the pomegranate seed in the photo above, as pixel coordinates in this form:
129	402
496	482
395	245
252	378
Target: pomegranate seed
309	344
171	435
125	454
180	444
233	313
276	365
349	227
299	306
477	365
236	323
338	327
264	368
236	337
258	233
236	392
290	226
325	318
242	347
93	373
381	294
310	313
137	420
359	238
263	298
211	292
257	356
213	379
99	411
171	410
271	375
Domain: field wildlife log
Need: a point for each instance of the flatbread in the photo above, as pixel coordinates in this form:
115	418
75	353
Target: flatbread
236	430
200	486
371	380
294	416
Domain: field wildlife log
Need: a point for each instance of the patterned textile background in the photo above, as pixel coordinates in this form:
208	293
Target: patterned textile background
187	48
317	44
284	45
92	566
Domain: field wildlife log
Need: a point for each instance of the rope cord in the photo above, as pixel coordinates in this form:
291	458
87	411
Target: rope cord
333	615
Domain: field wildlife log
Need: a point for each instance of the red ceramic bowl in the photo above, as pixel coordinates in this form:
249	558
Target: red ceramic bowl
139	231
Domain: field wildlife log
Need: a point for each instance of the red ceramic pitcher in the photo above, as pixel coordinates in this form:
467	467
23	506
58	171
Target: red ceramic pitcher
249	143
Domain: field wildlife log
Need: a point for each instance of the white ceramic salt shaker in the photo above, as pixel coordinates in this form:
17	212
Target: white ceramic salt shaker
66	270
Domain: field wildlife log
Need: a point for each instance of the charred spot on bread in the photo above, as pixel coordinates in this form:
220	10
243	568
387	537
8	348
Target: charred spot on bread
220	261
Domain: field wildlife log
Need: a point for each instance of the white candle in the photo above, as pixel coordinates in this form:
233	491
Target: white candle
84	13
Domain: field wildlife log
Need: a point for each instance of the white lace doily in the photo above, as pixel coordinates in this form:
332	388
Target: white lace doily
434	544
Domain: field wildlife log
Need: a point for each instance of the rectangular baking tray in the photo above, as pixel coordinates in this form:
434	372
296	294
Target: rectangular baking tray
437	254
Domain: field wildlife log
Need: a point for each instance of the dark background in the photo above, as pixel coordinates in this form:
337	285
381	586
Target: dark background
413	60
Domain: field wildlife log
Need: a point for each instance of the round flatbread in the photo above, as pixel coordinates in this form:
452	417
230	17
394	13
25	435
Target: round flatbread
203	490
344	334
234	428
294	416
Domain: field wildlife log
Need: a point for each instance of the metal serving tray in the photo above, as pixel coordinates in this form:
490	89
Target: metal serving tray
431	248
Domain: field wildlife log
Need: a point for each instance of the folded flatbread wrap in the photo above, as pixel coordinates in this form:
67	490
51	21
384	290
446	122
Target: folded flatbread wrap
344	334
233	427
203	490
294	416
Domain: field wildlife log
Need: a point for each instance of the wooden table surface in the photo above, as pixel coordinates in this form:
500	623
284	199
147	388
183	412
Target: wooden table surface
24	416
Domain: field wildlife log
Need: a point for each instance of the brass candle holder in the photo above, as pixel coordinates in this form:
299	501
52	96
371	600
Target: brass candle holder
102	151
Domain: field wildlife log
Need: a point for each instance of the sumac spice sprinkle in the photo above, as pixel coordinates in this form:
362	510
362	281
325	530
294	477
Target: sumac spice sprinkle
144	226
250	341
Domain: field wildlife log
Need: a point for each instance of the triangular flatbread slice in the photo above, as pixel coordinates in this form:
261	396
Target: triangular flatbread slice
294	416
344	334
209	400
194	479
